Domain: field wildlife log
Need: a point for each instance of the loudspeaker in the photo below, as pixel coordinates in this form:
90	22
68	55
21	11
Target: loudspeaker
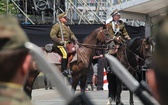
41	5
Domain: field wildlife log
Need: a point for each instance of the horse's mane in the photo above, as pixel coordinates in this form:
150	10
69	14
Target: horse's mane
92	36
134	43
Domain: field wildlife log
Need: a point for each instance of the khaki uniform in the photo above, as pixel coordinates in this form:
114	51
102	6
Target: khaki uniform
56	33
56	36
122	30
12	94
12	37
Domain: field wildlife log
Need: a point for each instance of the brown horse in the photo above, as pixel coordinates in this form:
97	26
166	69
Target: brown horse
80	66
33	73
132	56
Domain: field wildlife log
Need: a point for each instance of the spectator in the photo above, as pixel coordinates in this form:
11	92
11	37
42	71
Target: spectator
96	57
47	83
14	62
157	76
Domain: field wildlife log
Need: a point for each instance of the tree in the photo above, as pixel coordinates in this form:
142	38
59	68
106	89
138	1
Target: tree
11	7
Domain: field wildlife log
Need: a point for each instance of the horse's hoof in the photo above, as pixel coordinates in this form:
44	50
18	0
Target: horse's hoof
119	103
109	103
131	103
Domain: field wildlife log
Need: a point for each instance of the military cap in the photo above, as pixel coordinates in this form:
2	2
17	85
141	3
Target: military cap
161	46
12	35
115	12
62	15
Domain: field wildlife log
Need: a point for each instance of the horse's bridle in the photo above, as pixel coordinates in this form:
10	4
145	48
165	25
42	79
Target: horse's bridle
141	48
95	46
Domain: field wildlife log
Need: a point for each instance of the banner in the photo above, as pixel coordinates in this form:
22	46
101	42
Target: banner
40	34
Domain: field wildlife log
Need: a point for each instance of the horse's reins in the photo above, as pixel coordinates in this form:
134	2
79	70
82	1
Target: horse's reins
96	46
137	56
93	46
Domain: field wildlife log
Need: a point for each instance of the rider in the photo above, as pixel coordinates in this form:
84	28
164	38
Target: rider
61	35
117	30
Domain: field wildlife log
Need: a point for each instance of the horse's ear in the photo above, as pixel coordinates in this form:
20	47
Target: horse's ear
149	40
104	26
101	36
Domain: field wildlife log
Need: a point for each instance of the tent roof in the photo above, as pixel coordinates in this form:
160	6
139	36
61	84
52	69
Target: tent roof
139	9
148	6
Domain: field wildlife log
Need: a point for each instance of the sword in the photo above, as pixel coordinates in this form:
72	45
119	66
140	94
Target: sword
60	25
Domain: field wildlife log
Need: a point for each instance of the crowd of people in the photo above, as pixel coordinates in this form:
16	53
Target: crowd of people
15	59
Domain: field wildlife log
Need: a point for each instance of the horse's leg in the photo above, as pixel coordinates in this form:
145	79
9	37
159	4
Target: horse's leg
27	88
45	82
131	98
119	90
75	82
131	93
110	89
83	84
30	80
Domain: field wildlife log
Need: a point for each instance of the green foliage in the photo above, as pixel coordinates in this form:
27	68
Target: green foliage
11	7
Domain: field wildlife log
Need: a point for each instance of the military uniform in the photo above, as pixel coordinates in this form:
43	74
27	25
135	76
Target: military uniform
56	34
12	94
12	38
117	29
59	43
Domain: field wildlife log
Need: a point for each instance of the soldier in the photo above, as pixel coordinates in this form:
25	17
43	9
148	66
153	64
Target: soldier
157	76
14	62
117	30
61	35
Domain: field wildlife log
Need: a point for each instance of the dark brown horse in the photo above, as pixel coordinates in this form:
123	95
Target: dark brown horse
132	55
80	66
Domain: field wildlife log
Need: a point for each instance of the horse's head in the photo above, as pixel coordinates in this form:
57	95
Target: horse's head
140	49
147	50
147	47
103	35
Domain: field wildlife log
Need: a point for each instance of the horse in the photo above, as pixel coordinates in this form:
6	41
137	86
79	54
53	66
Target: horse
80	66
132	55
33	73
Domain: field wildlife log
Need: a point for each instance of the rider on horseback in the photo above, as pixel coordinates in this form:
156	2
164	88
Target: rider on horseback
61	35
117	31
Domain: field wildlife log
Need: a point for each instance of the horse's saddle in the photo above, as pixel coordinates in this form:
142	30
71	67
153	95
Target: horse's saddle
55	58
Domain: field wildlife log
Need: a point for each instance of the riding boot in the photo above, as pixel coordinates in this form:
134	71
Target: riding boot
64	66
65	72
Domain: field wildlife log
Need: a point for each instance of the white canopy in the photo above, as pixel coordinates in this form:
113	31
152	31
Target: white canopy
138	9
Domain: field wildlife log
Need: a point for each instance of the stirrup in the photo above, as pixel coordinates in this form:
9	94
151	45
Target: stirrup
67	73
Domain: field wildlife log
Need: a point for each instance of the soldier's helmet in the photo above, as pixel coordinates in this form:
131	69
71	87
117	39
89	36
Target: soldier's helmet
115	12
62	15
12	35
161	47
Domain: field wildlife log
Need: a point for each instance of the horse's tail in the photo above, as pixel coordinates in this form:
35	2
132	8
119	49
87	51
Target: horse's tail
112	87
